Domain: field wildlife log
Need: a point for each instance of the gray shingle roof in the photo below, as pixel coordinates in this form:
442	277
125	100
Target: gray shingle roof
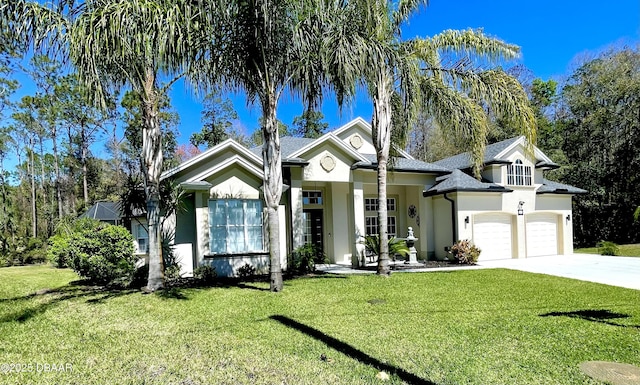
403	164
288	145
459	181
104	211
551	187
463	161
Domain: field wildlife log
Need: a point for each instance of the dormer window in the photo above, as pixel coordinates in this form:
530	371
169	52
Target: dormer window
518	174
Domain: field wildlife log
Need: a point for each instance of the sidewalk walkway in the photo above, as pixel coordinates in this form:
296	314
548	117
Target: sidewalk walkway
615	271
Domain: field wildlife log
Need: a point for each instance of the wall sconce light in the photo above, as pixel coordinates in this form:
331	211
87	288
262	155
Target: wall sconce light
466	220
568	217
520	210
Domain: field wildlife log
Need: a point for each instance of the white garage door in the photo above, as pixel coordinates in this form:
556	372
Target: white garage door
492	234
542	234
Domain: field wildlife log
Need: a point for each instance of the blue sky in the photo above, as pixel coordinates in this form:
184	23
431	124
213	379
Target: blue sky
552	35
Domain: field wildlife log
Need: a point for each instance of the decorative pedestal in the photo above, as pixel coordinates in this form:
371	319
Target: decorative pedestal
413	253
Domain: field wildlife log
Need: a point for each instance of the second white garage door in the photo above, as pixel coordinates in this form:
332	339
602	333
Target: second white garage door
542	235
492	234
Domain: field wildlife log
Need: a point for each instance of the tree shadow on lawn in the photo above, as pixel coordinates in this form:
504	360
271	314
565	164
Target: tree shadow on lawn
601	316
351	351
52	297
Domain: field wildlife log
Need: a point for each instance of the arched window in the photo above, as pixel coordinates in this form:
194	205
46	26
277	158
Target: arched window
518	174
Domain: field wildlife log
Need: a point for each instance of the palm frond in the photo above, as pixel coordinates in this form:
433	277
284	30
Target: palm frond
460	114
405	9
473	42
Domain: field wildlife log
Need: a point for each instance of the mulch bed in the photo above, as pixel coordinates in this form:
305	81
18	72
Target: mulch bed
421	265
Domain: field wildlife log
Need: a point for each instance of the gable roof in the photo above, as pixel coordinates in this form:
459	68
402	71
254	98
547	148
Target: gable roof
494	154
229	143
459	181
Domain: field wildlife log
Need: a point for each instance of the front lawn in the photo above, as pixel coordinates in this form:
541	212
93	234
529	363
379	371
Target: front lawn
464	327
632	250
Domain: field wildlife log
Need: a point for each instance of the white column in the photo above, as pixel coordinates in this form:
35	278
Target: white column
521	236
297	223
202	230
358	216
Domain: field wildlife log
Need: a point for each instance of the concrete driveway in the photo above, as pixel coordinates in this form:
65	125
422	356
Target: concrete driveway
615	271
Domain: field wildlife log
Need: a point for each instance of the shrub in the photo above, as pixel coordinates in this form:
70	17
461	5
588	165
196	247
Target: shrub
205	273
5	261
58	251
103	255
140	276
608	248
170	260
28	251
465	252
172	273
246	271
396	246
303	259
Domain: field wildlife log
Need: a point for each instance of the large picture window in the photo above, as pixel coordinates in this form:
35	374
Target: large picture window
371	216
235	226
518	174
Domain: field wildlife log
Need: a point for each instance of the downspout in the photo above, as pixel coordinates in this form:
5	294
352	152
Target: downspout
453	219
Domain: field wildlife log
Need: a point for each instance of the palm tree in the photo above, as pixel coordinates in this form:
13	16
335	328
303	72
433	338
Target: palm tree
439	75
115	44
269	47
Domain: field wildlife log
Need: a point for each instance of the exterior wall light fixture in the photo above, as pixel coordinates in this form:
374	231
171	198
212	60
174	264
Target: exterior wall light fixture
520	210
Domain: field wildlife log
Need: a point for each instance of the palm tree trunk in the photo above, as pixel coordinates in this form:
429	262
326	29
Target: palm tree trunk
152	168
272	167
381	127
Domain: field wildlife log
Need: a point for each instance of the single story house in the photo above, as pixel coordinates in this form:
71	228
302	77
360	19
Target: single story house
330	200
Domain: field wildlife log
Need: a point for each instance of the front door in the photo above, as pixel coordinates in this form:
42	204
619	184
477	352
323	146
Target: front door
313	228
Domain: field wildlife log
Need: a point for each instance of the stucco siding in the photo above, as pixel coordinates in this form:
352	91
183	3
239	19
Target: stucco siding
442	226
321	158
235	182
340	236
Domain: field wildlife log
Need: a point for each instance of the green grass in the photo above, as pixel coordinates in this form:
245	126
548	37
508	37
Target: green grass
464	327
632	250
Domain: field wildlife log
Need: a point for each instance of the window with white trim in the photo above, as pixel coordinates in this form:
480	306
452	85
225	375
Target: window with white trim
312	197
235	226
371	216
141	237
518	174
371	204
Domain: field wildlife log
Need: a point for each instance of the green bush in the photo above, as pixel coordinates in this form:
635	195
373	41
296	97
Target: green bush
5	261
27	251
102	255
396	246
608	248
465	252
172	273
205	273
246	271
303	259
58	251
